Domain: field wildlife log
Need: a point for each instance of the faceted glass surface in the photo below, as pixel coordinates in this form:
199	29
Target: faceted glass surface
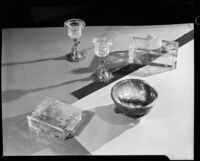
54	117
74	28
101	46
155	52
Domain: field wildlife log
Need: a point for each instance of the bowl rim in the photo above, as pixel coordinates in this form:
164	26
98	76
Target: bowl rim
131	79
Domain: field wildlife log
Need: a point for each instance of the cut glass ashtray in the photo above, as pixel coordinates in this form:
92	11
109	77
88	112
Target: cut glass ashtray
55	118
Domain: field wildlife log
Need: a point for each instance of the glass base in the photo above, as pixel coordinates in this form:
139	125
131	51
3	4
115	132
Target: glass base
104	76
75	57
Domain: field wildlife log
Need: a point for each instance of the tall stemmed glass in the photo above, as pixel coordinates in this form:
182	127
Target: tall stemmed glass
101	48
75	27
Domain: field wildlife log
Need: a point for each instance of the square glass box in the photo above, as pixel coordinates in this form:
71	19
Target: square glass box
55	118
154	52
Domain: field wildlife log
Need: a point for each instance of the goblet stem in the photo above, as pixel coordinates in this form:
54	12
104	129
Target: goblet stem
75	55
102	66
103	63
75	45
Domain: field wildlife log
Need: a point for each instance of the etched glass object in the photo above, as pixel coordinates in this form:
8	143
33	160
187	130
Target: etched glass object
55	118
75	27
153	51
101	49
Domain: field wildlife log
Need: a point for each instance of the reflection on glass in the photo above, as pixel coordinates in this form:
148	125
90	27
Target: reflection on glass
153	51
101	48
75	27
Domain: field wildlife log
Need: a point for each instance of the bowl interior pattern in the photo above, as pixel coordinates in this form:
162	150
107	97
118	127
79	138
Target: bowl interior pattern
133	94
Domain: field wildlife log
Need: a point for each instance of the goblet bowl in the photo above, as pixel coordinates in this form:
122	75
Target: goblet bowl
133	97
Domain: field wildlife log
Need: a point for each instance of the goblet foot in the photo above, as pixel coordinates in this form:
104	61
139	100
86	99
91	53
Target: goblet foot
104	76
75	57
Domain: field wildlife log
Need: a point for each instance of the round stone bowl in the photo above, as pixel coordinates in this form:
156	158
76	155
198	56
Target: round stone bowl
133	97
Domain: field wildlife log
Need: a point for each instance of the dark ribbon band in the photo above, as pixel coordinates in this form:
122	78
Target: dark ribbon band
94	86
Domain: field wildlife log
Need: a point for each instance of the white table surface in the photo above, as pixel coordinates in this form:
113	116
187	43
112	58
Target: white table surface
167	130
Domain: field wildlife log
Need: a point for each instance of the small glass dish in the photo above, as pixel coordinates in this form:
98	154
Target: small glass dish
55	118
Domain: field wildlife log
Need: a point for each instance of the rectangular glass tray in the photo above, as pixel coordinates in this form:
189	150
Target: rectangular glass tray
165	56
55	118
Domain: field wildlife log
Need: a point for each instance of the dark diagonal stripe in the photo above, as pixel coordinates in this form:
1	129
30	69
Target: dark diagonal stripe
185	38
92	87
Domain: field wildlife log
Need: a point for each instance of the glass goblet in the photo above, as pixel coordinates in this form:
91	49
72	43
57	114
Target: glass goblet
75	27
101	48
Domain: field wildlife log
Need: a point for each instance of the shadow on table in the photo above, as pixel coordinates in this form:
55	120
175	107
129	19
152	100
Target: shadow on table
35	61
104	127
86	117
114	60
64	57
13	94
98	127
19	139
91	68
109	115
